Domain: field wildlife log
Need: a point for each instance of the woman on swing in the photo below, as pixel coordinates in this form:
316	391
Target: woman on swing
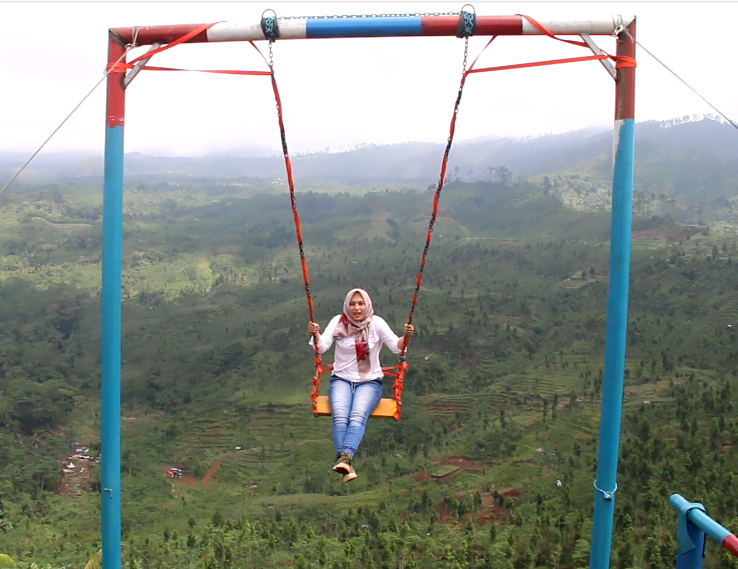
356	384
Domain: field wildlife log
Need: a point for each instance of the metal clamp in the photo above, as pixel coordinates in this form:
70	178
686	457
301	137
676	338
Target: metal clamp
606	495
467	22
685	543
269	26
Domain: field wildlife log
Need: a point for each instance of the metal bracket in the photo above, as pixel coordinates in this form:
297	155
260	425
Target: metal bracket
606	495
467	22
684	541
609	67
137	67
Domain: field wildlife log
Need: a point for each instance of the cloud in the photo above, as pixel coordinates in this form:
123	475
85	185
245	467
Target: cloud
339	92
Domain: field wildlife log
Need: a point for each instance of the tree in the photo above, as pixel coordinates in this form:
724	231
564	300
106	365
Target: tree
502	174
652	553
581	553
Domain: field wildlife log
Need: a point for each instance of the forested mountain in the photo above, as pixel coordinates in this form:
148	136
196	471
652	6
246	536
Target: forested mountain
492	463
395	163
685	168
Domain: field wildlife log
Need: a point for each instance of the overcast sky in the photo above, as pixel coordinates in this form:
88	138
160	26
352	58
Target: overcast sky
340	92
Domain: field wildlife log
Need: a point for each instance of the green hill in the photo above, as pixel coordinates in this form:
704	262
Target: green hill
501	401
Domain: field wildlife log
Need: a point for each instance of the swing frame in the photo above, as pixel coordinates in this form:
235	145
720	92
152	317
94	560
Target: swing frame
408	25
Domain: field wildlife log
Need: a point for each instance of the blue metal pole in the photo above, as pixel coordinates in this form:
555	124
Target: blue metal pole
617	308
692	559
112	246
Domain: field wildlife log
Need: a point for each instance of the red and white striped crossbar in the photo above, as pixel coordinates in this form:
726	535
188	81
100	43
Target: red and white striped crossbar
369	26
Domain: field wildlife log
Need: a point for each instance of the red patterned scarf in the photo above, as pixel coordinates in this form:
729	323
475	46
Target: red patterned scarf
357	328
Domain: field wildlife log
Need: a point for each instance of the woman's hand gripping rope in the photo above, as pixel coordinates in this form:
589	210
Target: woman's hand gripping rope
405	340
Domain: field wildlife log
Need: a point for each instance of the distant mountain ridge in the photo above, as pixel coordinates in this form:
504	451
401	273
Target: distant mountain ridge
590	149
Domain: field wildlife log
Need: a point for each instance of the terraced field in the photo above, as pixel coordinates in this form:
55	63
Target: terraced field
449	406
728	312
529	385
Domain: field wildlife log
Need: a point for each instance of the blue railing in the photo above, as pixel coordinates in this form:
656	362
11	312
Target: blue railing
693	526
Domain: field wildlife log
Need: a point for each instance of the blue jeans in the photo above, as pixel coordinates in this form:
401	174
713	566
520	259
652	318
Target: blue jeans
351	405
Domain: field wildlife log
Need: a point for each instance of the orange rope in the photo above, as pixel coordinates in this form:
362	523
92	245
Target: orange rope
183	39
123	67
320	367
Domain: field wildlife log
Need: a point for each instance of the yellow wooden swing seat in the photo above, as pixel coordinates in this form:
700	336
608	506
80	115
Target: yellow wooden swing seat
385	410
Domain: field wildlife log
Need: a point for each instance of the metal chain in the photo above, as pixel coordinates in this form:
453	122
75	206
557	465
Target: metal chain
271	55
468	23
466	53
468	31
269	26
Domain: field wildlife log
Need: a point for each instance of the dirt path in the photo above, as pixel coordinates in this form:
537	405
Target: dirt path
208	476
191	482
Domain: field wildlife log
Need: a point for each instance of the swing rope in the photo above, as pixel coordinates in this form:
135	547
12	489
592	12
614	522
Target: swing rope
439	186
398	371
467	21
320	367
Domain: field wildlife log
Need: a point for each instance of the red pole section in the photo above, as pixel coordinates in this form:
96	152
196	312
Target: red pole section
730	543
115	110
625	88
485	25
146	35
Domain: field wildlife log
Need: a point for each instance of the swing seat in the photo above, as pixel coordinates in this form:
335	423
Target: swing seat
385	410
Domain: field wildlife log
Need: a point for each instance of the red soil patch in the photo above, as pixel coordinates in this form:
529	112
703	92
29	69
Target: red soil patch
212	470
443	514
464	463
490	509
190	481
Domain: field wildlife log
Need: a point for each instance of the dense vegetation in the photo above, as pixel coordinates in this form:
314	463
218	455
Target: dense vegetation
493	462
